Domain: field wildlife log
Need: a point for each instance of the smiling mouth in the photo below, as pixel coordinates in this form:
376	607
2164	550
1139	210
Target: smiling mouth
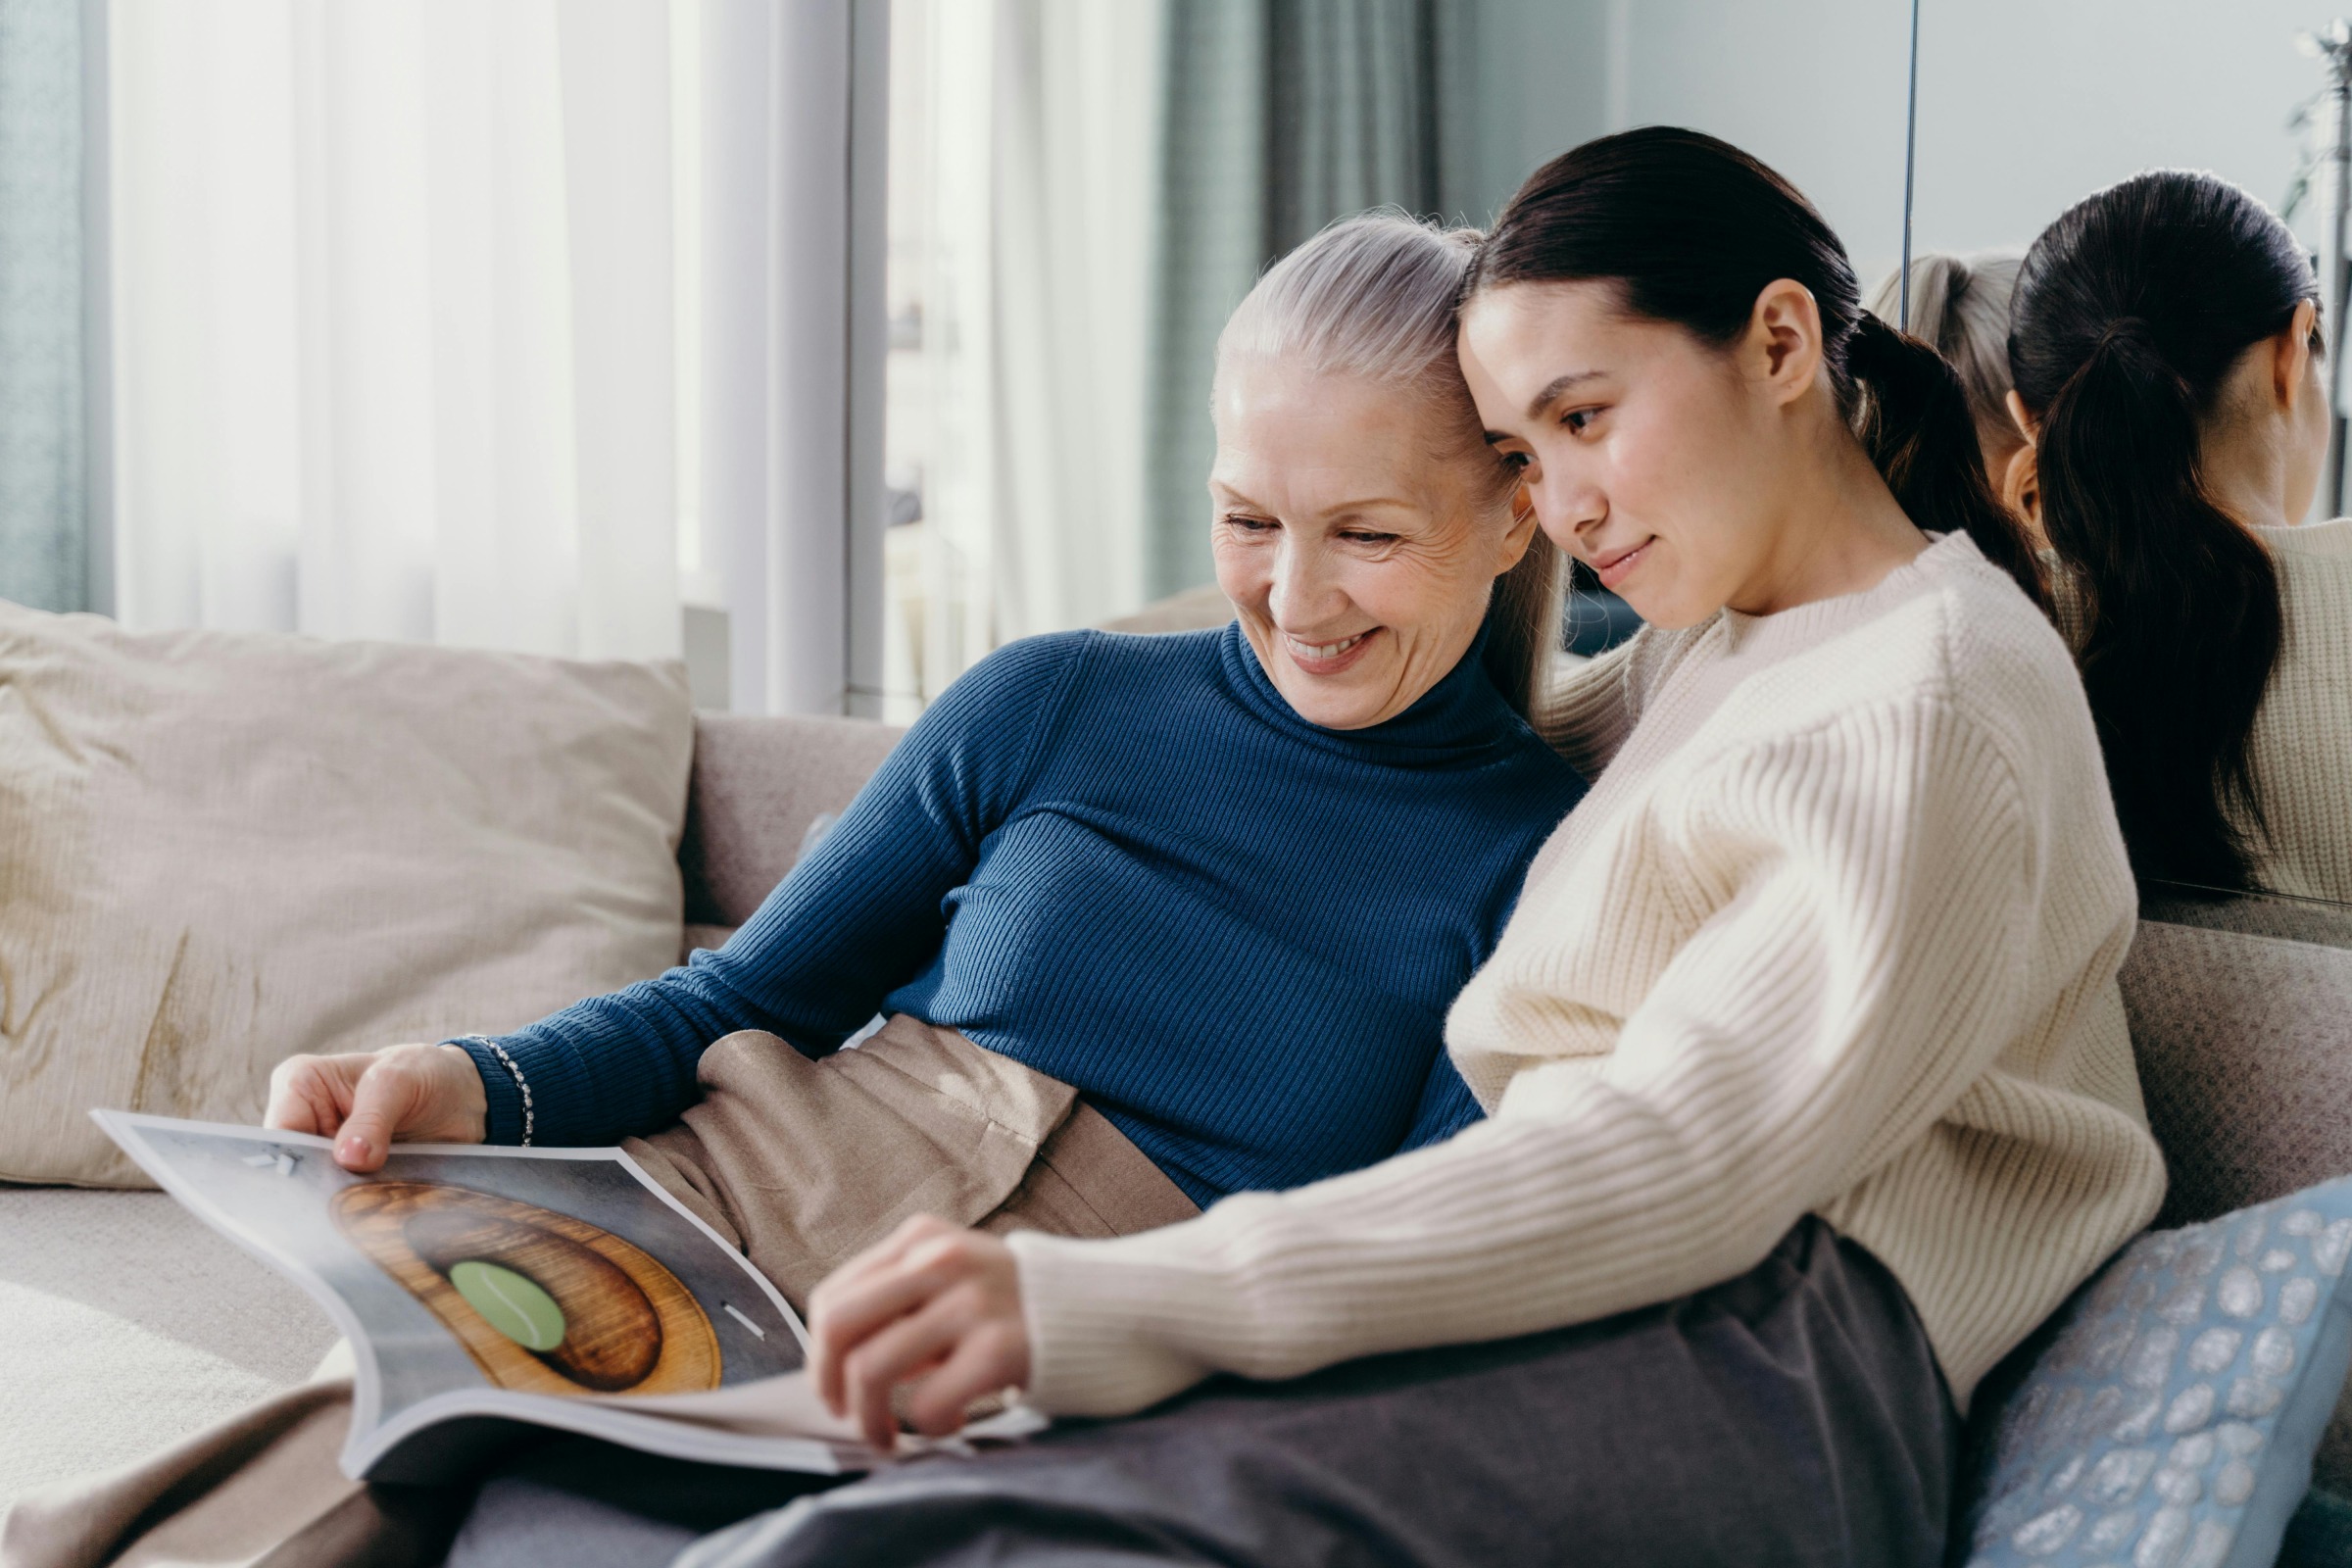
1325	659
1614	567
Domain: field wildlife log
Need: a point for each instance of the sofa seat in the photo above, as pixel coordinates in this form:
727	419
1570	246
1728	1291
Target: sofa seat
126	1323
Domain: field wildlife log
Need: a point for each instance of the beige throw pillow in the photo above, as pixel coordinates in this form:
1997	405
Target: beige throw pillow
220	849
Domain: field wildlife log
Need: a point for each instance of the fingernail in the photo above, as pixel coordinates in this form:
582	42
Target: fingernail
352	1149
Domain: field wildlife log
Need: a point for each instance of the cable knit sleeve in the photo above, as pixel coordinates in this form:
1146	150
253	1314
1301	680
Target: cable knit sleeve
1859	897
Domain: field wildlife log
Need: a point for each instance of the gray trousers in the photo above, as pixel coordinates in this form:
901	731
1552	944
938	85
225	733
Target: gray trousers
1793	1416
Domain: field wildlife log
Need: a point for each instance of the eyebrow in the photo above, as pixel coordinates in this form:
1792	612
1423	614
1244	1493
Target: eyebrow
1341	508
1552	390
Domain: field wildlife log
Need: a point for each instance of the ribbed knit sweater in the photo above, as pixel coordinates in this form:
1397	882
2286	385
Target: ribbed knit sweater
1129	864
2301	748
1837	931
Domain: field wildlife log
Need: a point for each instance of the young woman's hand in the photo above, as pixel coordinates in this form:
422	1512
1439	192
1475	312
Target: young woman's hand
370	1099
935	1304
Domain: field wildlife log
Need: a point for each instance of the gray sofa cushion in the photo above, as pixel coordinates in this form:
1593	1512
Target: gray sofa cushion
2244	1043
2245	1053
758	785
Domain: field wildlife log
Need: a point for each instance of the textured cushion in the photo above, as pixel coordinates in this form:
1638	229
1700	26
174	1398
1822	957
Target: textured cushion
758	784
217	849
2169	1413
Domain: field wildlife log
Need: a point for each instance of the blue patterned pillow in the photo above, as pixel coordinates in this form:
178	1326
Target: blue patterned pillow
2170	1417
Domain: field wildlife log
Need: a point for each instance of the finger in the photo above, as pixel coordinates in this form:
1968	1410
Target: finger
842	1324
878	1284
849	1316
985	1360
911	1345
308	1094
380	1103
290	1105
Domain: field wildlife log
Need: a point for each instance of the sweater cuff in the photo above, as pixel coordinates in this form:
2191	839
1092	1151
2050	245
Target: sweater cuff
1109	1330
502	1116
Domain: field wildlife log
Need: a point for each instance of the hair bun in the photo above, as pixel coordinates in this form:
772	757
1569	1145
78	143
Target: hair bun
1877	345
2128	331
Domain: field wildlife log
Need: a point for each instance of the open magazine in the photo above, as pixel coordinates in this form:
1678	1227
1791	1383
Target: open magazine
484	1289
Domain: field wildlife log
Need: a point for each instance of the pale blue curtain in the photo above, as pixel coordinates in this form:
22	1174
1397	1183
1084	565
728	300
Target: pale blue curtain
44	554
1280	115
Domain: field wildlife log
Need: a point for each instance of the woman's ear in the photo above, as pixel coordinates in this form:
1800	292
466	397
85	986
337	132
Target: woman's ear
1522	531
2290	357
2021	486
1783	346
2020	418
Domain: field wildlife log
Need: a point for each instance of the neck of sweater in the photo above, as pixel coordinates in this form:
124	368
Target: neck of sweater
1461	719
1801	626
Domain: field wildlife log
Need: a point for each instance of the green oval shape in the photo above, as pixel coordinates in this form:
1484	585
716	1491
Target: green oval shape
512	1302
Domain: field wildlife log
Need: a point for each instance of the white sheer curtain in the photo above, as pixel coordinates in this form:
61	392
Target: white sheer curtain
1076	165
393	329
790	470
1023	188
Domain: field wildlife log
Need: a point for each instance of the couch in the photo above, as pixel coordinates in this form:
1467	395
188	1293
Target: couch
126	1323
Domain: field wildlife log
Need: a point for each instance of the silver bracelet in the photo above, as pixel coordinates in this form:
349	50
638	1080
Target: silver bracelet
520	1082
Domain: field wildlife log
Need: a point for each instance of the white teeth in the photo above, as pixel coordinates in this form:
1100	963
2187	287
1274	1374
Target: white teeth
1306	650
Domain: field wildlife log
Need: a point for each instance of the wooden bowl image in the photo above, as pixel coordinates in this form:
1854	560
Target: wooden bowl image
543	1302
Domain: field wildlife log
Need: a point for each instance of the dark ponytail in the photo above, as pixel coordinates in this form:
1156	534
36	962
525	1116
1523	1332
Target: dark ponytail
1693	230
1915	422
2130	313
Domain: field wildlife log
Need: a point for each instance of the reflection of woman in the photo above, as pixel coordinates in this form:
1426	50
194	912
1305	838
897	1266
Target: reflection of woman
1960	308
2167	354
1810	1008
1156	919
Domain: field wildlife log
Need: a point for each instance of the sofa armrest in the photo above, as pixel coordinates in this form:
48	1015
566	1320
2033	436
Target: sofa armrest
759	782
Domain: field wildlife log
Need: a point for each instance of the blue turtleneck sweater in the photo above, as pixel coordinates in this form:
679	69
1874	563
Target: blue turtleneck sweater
1129	864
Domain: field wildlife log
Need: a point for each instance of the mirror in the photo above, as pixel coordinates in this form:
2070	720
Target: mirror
2027	107
1081	190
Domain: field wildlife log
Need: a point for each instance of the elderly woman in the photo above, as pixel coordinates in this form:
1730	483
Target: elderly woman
1153	920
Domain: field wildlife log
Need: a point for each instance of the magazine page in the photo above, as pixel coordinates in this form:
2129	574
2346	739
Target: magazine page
559	1287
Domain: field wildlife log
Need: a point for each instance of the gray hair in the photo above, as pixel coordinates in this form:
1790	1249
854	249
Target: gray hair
1960	307
1373	296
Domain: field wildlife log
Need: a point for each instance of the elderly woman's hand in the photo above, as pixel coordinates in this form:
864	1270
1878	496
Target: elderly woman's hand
934	1302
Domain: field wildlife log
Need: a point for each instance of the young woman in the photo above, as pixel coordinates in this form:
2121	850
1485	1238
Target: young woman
2166	350
1960	308
1155	919
1810	1088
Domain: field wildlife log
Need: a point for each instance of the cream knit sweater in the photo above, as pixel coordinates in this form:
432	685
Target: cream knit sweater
2301	747
1837	931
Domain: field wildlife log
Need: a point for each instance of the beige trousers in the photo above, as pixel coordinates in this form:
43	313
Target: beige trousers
801	1163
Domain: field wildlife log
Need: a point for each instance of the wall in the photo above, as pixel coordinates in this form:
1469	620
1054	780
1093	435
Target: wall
2026	105
1816	88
